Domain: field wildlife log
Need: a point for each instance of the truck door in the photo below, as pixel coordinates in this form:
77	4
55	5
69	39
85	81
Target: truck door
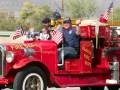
83	64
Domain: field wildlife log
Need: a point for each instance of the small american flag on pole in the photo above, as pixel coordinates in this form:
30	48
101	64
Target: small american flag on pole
104	17
19	32
57	36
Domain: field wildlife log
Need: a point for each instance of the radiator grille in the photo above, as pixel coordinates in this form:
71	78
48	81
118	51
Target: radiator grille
2	60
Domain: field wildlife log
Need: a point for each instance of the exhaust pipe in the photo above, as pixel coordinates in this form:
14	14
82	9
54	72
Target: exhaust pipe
115	69
114	72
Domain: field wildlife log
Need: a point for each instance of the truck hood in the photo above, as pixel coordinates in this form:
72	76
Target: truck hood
37	44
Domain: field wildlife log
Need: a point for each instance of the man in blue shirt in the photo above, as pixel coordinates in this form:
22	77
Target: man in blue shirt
71	41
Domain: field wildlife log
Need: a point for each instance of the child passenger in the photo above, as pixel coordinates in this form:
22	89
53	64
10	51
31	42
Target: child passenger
45	33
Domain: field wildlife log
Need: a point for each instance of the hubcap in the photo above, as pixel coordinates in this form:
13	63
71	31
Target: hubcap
33	81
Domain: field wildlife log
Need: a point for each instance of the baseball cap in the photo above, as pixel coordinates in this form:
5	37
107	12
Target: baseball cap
67	20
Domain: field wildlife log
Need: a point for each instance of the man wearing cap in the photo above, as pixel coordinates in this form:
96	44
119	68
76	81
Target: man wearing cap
45	33
71	40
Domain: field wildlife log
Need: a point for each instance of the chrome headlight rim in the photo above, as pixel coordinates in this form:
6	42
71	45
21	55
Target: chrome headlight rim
9	57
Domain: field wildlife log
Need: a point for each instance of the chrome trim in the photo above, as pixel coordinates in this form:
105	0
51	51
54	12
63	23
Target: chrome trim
9	52
3	51
29	51
115	69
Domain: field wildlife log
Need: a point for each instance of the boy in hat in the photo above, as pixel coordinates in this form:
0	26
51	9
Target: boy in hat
45	33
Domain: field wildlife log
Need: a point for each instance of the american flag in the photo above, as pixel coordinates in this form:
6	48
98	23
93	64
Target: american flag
19	32
57	35
104	17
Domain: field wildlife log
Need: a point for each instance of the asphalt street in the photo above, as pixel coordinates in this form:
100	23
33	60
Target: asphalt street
56	89
69	88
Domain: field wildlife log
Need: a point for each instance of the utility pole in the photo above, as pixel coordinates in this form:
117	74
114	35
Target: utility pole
53	4
62	2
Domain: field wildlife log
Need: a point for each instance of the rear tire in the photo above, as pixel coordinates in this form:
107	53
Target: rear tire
31	78
97	88
92	88
113	88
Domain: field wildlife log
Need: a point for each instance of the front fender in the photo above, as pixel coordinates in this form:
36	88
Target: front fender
23	62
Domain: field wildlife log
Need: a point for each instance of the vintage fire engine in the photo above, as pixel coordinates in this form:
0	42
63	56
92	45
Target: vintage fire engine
33	65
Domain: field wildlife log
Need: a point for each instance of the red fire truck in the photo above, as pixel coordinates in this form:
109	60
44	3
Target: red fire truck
33	65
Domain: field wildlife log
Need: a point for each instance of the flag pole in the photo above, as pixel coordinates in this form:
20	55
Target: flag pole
62	51
112	17
63	34
60	29
97	33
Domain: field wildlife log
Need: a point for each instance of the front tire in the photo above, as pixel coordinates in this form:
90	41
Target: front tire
98	88
31	78
84	88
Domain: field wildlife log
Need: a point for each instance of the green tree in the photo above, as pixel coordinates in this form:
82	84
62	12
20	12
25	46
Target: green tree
32	15
114	18
116	14
40	13
7	21
80	8
26	10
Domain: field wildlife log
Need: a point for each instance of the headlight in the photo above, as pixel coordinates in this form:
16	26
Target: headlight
9	57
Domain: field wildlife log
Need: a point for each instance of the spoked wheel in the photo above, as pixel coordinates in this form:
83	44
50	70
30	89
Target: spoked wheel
113	88
33	82
30	79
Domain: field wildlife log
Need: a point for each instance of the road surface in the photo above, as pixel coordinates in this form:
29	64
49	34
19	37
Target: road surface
56	89
69	88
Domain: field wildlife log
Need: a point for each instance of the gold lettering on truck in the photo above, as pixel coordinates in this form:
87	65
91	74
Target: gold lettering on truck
87	55
86	50
22	46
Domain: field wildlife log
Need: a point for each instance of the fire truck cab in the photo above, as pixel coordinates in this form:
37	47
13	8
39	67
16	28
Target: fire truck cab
33	65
